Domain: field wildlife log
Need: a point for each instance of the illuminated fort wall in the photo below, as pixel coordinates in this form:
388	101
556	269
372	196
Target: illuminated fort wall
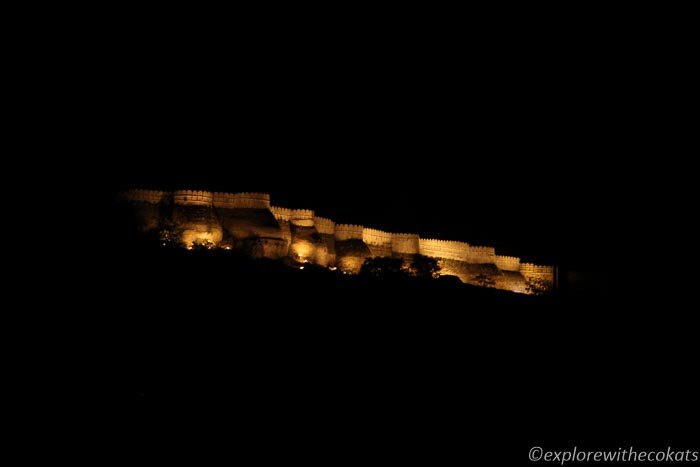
351	250
193	212
326	229
248	221
307	245
248	224
378	241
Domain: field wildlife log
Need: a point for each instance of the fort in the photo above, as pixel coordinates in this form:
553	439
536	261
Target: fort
248	222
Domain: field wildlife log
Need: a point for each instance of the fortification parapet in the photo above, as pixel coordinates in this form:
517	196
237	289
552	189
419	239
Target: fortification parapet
193	198
281	214
376	237
302	217
224	200
508	263
242	200
247	219
348	232
536	270
143	196
193	213
405	243
324	225
481	255
447	249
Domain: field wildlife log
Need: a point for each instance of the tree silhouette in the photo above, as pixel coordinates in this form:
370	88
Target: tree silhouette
483	280
381	266
424	266
538	286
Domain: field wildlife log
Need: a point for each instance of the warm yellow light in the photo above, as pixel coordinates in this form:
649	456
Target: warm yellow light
301	267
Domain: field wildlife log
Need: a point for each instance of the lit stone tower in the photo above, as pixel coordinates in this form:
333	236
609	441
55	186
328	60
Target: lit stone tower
326	228
378	241
307	245
193	212
249	225
351	251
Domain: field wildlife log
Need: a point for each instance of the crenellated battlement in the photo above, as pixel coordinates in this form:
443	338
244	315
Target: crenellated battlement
143	196
193	198
302	214
376	237
242	200
405	243
508	263
348	232
529	269
324	225
302	217
447	249
281	214
224	200
481	255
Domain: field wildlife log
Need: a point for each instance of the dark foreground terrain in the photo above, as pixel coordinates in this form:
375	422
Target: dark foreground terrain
207	352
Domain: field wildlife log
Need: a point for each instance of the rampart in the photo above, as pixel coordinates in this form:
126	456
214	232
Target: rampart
281	214
348	232
242	200
508	263
405	243
446	249
324	226
302	217
481	255
193	198
237	219
536	271
376	237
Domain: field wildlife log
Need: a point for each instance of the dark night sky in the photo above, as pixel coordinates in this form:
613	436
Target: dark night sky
509	127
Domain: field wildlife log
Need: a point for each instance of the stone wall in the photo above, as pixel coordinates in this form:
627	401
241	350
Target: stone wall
247	220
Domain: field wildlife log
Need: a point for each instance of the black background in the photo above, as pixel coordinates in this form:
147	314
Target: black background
519	123
490	127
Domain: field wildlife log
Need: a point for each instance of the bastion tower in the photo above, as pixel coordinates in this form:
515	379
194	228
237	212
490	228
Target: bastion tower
351	250
306	245
249	225
193	212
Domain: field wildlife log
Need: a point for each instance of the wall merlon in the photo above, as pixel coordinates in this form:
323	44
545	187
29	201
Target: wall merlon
302	214
193	197
281	214
324	225
405	243
348	232
536	269
376	237
508	263
302	217
242	200
448	249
